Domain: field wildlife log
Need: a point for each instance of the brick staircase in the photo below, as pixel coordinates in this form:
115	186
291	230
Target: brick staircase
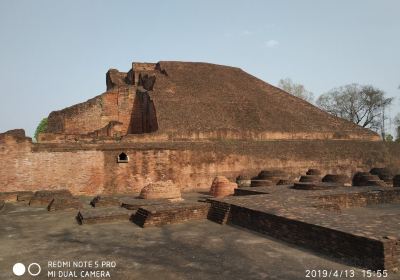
219	212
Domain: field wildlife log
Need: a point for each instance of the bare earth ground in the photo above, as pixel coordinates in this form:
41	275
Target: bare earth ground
193	250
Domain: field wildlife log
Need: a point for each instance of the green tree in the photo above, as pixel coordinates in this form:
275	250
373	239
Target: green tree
388	138
42	127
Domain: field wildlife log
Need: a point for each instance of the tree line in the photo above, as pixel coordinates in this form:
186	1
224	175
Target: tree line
365	105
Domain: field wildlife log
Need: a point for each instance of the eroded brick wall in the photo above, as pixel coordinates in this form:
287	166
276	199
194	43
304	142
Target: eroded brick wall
81	172
94	169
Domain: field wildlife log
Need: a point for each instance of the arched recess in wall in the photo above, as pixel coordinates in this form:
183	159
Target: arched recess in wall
122	158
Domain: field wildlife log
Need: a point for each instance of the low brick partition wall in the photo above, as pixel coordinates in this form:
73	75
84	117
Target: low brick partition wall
360	251
219	211
136	203
326	221
105	201
16	196
45	197
103	215
251	191
158	215
64	203
362	199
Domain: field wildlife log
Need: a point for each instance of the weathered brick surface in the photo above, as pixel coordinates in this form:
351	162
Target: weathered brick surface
158	215
328	221
93	168
105	201
361	251
136	203
46	197
64	203
103	215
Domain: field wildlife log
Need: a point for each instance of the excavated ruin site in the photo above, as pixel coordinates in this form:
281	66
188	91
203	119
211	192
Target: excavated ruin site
200	171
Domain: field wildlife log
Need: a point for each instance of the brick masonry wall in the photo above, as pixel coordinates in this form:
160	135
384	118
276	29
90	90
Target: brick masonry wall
361	251
81	172
94	169
115	105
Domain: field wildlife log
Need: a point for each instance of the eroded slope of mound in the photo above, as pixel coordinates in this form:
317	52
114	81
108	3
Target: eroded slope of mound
191	98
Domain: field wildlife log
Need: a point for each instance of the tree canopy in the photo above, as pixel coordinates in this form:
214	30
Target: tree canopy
41	127
296	89
362	104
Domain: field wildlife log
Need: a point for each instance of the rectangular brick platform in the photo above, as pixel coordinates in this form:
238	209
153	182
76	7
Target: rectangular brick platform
158	215
44	198
106	201
24	196
15	196
366	237
136	203
64	203
103	215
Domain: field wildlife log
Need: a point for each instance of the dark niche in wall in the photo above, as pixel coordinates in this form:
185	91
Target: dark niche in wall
144	117
122	158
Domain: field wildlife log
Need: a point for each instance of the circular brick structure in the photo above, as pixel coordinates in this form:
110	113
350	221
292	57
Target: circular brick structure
336	178
313	171
310	178
268	178
161	190
361	179
222	187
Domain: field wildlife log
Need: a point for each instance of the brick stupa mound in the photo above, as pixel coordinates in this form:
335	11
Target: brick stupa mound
196	100
222	187
161	190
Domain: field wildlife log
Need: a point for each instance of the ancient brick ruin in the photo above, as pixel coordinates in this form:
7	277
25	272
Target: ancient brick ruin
170	142
184	122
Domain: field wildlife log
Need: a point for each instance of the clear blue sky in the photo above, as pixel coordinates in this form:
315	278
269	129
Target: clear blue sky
54	54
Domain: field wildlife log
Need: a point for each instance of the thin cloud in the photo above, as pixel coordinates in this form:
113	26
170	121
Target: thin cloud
271	43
